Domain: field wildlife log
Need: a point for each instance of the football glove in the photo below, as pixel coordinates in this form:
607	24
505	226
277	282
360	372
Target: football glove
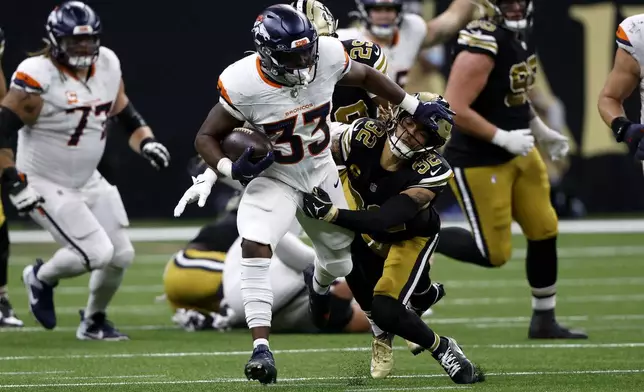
22	195
199	191
155	153
243	170
318	205
555	143
518	142
429	113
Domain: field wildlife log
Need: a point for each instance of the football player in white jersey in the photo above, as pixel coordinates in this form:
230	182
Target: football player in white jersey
627	74
59	101
402	35
8	317
285	91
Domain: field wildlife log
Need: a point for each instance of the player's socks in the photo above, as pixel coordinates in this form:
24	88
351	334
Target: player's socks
257	342
322	279
395	318
103	284
459	244
541	269
64	264
256	291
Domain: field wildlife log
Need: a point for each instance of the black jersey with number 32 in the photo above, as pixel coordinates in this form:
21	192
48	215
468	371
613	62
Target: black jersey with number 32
352	103
370	185
504	100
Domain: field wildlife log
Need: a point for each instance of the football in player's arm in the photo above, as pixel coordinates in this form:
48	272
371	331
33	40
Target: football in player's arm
622	80
394	176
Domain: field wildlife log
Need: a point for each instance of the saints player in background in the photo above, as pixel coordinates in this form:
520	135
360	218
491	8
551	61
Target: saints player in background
8	317
394	178
349	103
624	78
402	35
499	175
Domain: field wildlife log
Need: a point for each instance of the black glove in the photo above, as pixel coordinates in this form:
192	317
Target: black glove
155	153
318	205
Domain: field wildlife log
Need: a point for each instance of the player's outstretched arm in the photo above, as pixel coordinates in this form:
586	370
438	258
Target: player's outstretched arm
446	25
621	81
142	138
371	80
394	212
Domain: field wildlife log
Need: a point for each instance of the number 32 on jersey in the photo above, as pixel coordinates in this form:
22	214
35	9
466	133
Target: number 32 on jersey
286	131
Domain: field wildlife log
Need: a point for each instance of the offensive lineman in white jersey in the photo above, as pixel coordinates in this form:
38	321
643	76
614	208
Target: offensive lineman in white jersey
402	35
626	75
285	91
59	101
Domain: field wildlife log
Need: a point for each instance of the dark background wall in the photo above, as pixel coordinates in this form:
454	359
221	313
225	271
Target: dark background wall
172	54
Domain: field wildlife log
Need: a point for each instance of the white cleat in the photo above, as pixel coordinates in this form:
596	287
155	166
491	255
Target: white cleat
382	357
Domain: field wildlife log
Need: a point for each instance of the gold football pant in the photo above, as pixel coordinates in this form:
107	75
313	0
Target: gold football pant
491	196
193	280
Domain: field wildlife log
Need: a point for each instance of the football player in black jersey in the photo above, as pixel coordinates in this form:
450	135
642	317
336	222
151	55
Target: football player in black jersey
498	174
394	177
349	103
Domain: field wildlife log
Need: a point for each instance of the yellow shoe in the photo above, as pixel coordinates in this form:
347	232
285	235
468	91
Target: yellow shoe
382	357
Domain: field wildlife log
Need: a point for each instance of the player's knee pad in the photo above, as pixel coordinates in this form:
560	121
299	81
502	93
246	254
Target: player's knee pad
97	253
386	311
256	290
340	265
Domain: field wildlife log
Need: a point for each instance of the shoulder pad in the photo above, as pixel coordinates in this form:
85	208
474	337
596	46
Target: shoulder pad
479	36
349	33
334	59
630	37
235	83
366	52
108	55
363	133
33	75
433	171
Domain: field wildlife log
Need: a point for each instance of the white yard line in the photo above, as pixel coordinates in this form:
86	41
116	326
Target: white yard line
35	373
116	377
301	379
559	346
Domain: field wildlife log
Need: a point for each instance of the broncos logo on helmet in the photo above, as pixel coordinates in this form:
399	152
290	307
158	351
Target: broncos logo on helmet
73	31
287	44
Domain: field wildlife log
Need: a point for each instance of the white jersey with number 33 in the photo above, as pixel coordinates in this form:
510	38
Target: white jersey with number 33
630	37
294	118
403	51
67	141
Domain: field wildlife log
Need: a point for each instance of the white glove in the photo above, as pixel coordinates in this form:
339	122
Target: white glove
518	142
200	190
26	200
155	153
553	141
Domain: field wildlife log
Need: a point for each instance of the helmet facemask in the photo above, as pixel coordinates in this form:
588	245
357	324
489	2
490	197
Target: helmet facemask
294	66
79	51
387	19
515	15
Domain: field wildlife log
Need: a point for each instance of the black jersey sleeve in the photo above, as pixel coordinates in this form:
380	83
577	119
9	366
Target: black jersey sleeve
479	36
367	53
431	172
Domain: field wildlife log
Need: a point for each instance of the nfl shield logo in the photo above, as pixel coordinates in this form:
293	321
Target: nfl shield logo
373	187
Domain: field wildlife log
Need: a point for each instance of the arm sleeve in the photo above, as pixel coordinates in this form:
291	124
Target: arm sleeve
395	211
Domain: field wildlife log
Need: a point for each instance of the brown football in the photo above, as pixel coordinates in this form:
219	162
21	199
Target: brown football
239	139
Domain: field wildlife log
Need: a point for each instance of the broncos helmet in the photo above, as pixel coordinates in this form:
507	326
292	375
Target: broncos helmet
433	139
287	44
319	15
379	30
73	31
499	10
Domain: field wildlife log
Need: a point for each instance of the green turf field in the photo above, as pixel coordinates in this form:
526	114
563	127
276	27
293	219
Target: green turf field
601	289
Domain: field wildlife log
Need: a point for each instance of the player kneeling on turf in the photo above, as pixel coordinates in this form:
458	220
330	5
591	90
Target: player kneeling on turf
394	176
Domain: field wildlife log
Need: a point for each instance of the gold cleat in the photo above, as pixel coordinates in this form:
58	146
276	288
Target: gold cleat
382	356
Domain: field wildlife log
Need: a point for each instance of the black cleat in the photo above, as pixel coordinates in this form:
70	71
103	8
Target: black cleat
453	360
319	304
544	326
41	296
261	366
